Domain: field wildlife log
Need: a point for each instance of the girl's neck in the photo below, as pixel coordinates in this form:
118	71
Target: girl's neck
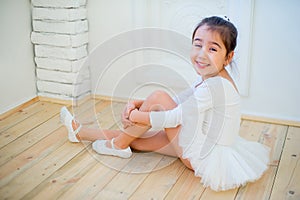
224	74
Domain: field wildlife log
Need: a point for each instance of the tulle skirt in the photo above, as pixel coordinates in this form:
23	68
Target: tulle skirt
228	167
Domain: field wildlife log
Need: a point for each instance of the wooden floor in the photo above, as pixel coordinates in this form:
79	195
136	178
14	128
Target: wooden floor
38	162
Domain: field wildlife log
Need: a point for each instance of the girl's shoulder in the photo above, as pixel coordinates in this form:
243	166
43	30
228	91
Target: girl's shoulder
216	86
218	82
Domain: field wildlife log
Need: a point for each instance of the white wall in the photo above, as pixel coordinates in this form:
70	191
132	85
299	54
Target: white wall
108	19
17	68
275	61
274	82
126	72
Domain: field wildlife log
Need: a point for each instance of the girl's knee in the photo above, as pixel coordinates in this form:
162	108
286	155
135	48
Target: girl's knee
158	101
158	94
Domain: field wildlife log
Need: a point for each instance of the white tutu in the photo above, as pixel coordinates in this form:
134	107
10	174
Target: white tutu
228	167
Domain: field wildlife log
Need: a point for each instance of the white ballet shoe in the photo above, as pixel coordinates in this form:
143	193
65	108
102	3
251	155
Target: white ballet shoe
66	118
100	147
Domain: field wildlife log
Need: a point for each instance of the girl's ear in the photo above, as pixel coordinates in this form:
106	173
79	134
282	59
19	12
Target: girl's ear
229	58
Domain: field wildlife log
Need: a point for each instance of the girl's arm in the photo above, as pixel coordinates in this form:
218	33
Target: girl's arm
158	119
135	104
127	110
140	117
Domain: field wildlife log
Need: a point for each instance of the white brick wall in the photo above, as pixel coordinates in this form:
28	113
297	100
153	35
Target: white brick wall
61	76
71	27
60	40
59	64
59	3
63	89
59	14
60	36
68	53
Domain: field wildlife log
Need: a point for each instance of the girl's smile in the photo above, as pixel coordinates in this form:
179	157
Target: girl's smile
201	65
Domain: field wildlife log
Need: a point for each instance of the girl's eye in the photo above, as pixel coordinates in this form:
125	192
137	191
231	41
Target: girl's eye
213	49
198	45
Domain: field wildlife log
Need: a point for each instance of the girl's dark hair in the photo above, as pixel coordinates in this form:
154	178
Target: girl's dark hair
226	29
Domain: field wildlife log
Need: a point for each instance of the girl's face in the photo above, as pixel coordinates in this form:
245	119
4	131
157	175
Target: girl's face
208	53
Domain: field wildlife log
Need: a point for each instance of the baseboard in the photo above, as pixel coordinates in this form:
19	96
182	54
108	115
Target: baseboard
109	98
18	108
65	102
54	100
271	120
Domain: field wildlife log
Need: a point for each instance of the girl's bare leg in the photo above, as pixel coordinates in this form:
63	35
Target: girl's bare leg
165	142
125	137
151	141
106	134
92	134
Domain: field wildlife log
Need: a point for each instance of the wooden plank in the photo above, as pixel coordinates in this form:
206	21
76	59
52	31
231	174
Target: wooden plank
18	108
271	135
63	178
287	181
28	124
187	187
261	189
11	150
33	176
136	171
31	156
223	195
116	109
21	115
95	179
86	112
159	183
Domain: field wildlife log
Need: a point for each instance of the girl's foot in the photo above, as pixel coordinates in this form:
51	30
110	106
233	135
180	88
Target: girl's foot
101	147
67	119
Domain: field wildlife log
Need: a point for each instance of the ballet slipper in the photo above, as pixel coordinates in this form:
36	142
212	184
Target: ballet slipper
66	118
100	147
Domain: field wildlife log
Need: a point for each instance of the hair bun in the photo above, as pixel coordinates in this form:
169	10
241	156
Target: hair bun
224	17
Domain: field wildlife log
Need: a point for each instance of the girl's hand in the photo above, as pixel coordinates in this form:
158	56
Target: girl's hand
126	113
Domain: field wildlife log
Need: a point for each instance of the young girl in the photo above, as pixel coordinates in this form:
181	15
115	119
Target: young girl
200	126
